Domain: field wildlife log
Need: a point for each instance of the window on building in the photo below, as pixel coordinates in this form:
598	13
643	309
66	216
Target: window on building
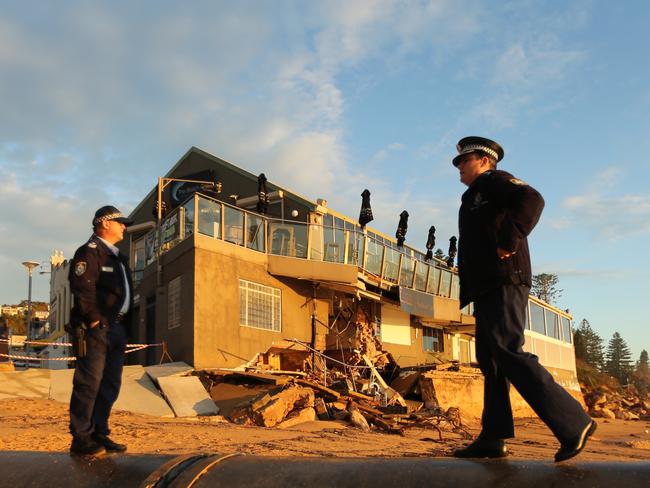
174	303
259	306
537	318
552	324
432	339
567	336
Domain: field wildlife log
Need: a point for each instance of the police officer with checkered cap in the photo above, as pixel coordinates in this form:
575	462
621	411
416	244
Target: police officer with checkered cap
100	280
497	213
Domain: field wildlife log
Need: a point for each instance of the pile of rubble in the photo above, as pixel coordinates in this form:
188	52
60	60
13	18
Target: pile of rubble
609	403
360	396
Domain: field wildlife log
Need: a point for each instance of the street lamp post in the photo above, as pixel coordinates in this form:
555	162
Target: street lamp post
30	265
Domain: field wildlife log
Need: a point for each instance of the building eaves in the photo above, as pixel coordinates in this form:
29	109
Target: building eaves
236	169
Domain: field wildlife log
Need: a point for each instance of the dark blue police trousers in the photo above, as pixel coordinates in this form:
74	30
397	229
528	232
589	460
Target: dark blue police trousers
97	381
500	319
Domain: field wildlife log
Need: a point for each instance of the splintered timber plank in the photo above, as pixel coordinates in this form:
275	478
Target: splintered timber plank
318	387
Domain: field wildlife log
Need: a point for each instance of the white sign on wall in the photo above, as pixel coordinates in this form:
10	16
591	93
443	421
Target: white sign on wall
395	326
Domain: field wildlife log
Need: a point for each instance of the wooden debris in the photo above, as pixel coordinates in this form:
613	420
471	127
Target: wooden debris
356	418
263	377
319	387
405	382
428	392
321	409
393	396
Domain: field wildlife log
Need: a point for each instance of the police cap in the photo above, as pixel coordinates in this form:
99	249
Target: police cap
473	143
109	212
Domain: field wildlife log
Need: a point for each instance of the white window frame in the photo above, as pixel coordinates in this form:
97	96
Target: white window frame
248	290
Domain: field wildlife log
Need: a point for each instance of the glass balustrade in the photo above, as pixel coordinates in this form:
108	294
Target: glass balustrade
255	232
333	241
392	259
209	217
407	272
421	271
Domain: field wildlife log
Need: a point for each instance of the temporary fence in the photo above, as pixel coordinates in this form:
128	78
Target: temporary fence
129	349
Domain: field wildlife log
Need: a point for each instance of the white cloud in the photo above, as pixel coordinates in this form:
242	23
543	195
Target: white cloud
605	210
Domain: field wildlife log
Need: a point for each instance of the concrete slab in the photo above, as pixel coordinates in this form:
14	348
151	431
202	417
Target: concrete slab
30	383
187	396
138	393
178	368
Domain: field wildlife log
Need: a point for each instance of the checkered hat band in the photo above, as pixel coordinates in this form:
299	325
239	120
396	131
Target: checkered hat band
112	216
478	147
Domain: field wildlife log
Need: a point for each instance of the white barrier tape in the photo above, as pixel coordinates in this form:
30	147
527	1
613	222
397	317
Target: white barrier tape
38	343
33	358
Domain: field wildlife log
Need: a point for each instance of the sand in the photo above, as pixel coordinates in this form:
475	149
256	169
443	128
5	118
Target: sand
42	425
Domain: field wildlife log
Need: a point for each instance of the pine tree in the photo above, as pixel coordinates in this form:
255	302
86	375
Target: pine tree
619	364
642	365
545	287
588	345
641	376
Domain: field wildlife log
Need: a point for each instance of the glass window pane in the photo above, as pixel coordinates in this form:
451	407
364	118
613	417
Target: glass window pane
334	239
537	318
455	286
189	217
209	218
406	274
432	339
138	259
567	336
255	237
445	283
552	324
433	281
288	239
421	276
374	256
391	264
233	220
355	246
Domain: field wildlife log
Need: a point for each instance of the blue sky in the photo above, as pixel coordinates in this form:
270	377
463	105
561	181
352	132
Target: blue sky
98	99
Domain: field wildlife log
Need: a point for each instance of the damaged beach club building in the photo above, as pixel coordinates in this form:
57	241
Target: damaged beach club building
232	270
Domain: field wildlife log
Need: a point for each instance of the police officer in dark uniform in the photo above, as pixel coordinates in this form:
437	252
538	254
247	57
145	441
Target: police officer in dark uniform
497	213
100	280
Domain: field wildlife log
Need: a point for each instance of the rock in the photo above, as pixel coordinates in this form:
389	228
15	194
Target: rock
633	416
604	413
298	417
280	405
595	398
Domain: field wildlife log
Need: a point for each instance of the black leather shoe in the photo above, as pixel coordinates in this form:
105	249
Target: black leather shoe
86	447
483	448
109	444
574	446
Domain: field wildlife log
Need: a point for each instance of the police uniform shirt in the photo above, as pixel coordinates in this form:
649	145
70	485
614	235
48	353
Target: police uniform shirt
497	211
100	291
127	291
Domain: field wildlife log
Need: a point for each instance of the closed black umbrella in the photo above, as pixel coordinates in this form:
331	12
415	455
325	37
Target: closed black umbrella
365	215
431	241
452	251
262	195
401	228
